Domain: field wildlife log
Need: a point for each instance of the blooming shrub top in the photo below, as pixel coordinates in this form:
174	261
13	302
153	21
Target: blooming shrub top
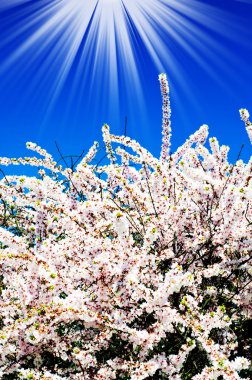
114	272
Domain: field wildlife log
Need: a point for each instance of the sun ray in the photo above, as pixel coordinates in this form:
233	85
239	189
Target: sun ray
102	39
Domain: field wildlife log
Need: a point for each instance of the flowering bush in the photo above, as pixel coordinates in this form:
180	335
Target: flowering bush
128	272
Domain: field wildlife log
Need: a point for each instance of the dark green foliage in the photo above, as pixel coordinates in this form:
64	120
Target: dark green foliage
50	362
246	373
170	345
158	376
217	335
63	295
194	364
243	331
64	328
164	265
12	376
116	348
144	321
2	286
138	238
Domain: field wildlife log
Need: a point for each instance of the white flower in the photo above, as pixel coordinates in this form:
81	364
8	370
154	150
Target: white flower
240	363
244	114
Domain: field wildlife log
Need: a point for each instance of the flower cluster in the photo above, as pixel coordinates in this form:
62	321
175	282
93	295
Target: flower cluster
118	272
245	117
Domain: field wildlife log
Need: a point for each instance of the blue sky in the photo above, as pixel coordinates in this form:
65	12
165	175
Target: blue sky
53	89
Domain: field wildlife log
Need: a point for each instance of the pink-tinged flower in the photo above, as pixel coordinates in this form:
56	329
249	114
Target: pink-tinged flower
103	268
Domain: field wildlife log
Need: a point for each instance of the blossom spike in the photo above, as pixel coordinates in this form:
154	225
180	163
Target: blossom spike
166	125
107	140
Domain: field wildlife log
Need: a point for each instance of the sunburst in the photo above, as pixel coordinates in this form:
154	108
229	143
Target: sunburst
103	40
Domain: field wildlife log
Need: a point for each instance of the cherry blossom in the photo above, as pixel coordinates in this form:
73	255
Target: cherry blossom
118	271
